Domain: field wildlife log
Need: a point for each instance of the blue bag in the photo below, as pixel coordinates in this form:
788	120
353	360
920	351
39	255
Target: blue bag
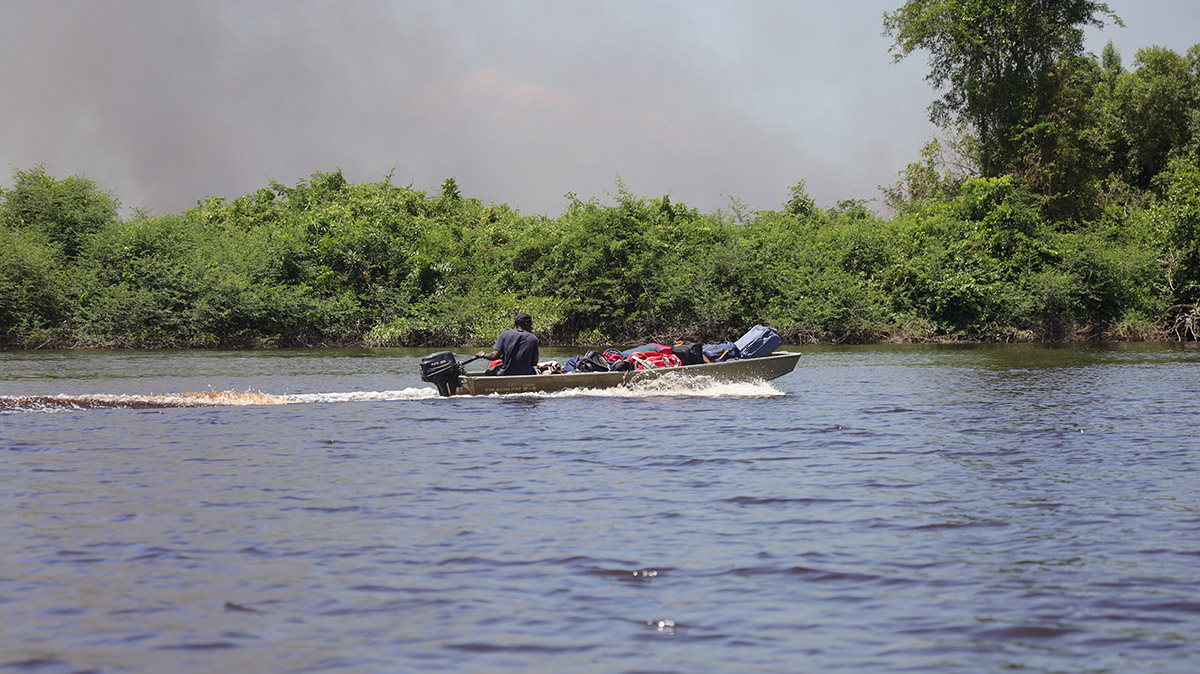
758	342
716	353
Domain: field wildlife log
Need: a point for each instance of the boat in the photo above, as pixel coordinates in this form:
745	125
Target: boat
451	377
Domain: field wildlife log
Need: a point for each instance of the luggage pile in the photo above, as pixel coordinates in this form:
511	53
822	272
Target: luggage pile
759	341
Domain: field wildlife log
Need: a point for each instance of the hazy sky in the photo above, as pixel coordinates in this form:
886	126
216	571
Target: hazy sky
165	102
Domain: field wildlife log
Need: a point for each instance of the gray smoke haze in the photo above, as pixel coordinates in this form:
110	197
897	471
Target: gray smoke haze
166	102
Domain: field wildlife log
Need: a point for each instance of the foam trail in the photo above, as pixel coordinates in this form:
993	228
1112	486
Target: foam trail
124	401
57	403
360	396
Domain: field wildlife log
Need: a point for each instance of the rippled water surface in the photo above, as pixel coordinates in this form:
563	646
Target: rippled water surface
881	509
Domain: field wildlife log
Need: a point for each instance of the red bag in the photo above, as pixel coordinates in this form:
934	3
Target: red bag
646	360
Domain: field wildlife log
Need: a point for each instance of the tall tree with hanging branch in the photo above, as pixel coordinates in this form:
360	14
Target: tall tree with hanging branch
997	61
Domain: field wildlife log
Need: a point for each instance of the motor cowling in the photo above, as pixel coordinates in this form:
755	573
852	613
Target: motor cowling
442	370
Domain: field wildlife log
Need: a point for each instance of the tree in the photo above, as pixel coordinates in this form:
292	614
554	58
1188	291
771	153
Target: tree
65	211
997	60
1110	63
1064	155
1176	217
1157	112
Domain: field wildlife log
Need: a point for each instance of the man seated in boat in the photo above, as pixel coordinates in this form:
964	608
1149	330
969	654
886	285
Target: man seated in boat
516	348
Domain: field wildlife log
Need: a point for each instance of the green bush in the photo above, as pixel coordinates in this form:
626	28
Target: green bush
65	211
1176	221
34	293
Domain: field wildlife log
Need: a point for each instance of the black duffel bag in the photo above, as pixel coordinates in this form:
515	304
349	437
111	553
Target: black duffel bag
690	353
591	362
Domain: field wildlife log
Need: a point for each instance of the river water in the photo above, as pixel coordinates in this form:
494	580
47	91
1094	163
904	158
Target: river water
880	509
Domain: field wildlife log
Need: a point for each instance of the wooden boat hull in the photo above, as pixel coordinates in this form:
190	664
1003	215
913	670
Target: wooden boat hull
746	369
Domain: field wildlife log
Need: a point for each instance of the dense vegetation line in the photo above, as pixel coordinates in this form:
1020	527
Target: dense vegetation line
329	262
1078	220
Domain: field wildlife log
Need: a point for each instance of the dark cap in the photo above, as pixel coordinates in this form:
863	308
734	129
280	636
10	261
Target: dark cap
523	319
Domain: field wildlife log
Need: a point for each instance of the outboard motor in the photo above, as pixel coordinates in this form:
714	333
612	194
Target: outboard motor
442	370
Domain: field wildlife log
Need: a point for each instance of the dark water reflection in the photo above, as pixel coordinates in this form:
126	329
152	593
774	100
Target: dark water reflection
884	509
